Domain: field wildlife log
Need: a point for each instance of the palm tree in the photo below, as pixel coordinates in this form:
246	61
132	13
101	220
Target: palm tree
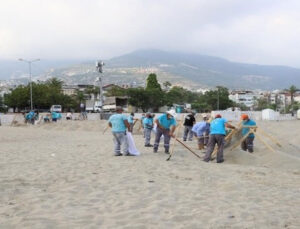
55	83
80	96
292	91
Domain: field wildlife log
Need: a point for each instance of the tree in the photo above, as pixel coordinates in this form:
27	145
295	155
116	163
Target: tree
116	91
218	99
152	82
139	98
261	104
179	95
18	98
167	85
156	98
55	83
92	90
2	106
292	91
44	95
80	96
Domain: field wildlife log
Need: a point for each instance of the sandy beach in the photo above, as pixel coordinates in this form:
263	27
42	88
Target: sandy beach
64	175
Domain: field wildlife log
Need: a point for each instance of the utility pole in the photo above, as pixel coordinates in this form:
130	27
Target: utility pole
99	67
30	81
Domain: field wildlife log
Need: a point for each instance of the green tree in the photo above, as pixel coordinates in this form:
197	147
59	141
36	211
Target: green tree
167	85
54	83
152	82
2	106
156	98
139	98
18	98
92	90
292	90
261	103
218	99
179	95
116	91
80	97
44	95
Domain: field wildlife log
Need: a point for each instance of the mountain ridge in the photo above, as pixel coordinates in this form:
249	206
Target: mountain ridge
186	69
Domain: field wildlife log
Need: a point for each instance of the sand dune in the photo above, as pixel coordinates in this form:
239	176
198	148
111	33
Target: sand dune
64	175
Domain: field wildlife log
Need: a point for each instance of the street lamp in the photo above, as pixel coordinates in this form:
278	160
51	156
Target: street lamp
29	64
99	67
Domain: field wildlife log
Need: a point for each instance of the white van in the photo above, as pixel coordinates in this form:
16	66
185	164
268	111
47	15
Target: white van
56	108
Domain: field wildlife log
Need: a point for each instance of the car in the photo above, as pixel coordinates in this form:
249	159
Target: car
56	108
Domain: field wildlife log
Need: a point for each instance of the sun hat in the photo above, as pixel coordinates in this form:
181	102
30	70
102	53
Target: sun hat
172	113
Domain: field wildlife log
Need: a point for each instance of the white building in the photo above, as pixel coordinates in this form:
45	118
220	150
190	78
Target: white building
243	97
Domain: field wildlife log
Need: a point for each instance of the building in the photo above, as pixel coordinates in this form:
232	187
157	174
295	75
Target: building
246	98
69	89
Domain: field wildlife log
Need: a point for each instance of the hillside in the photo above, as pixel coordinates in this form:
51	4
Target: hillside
212	71
189	70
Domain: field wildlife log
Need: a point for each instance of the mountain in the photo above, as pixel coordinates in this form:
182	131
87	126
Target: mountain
212	71
15	69
189	70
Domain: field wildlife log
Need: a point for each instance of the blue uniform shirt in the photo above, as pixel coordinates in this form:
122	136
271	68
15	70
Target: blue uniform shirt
246	130
202	128
30	115
217	126
130	119
117	122
147	123
54	115
165	122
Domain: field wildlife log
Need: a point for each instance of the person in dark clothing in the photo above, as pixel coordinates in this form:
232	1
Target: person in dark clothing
189	122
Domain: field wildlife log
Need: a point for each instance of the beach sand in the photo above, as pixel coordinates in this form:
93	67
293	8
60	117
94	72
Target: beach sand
64	175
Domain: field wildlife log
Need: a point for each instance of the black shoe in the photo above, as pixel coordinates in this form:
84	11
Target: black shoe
129	154
118	154
149	145
206	160
154	150
220	161
167	151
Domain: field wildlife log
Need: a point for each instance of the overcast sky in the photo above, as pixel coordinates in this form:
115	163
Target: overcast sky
252	31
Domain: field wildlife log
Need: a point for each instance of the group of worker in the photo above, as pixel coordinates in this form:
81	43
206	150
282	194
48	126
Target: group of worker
33	116
207	133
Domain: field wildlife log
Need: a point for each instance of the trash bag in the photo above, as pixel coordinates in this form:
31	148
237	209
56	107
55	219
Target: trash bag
131	145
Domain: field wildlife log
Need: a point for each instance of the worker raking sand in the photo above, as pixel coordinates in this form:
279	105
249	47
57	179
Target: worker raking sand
217	136
166	125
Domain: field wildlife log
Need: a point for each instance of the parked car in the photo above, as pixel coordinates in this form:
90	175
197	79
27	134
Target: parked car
56	108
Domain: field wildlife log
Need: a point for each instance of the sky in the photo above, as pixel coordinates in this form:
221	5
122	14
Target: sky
250	31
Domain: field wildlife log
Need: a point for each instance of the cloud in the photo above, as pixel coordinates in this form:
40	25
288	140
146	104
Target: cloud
256	31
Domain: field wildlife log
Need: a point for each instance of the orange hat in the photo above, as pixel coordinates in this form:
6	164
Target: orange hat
244	117
218	116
